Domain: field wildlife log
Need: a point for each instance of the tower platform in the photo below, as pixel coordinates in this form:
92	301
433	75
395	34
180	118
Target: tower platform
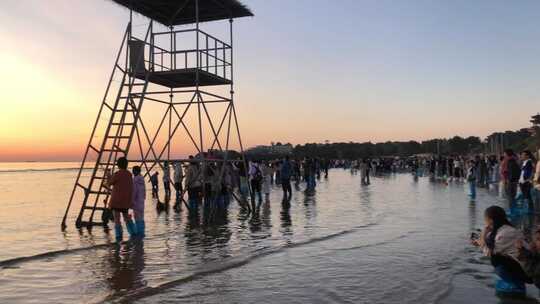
184	78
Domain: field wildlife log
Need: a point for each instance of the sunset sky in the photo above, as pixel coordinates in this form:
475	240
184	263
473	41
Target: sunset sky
306	70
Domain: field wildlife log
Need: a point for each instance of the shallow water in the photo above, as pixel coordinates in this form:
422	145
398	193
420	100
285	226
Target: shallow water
395	241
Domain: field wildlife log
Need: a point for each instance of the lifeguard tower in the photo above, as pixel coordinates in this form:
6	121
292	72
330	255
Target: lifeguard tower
181	68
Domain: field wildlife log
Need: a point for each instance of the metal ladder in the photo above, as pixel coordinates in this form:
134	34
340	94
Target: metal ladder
123	116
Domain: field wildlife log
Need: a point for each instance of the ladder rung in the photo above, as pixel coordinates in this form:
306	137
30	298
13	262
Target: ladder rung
124	110
108	106
122	124
99	192
96	208
121	136
93	148
135	84
113	150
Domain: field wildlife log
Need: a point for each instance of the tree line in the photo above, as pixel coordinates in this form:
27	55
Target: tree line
495	143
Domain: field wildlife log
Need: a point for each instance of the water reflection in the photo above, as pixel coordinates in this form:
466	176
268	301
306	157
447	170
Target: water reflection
286	221
124	266
472	216
267	215
310	208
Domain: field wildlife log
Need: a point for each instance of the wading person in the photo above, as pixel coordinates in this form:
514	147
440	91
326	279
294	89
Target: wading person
526	177
255	177
471	178
193	185
363	172
286	172
497	241
154	181
368	171
121	197
267	172
326	164
177	179
139	195
510	173
297	172
278	172
167	179
243	180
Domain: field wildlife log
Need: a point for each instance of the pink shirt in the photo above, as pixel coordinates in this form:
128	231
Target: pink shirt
139	193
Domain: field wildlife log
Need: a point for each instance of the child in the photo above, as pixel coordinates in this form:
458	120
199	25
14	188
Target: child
139	194
530	257
121	197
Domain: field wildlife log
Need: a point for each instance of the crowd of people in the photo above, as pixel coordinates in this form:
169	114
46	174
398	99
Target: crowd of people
511	175
210	185
515	257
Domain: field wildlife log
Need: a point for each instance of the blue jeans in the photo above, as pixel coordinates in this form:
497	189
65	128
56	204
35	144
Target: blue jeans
472	189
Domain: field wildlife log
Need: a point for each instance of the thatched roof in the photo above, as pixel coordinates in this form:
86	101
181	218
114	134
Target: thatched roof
177	12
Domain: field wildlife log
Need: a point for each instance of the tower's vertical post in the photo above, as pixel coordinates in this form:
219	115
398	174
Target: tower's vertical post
169	139
173	66
130	26
232	57
233	112
173	50
197	96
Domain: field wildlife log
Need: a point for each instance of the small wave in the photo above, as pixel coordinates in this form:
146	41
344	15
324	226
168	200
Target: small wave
18	260
388	241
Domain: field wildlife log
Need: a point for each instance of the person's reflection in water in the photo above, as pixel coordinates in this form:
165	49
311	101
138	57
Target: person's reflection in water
364	196
192	232
266	215
286	221
310	210
472	217
222	215
163	206
126	264
243	216
255	222
297	184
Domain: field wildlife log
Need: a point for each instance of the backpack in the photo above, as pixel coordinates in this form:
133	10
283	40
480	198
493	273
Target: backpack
514	171
258	174
471	175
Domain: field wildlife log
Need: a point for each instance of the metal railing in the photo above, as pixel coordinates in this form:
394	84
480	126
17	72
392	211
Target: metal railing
212	55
